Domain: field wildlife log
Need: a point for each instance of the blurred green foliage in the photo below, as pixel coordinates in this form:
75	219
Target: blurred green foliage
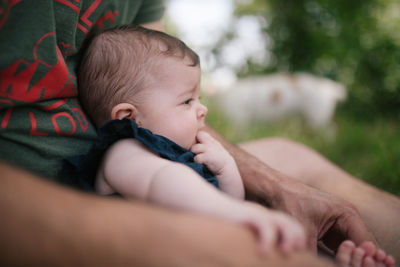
369	150
354	42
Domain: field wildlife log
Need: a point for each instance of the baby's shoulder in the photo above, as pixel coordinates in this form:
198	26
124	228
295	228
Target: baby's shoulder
129	151
127	146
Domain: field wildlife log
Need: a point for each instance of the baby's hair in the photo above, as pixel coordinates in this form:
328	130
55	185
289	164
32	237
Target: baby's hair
117	63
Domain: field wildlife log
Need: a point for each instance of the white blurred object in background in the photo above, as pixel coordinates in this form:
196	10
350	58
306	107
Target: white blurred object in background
271	97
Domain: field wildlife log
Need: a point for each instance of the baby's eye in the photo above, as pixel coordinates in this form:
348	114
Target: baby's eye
187	102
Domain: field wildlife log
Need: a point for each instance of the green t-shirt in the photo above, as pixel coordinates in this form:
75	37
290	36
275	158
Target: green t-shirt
41	120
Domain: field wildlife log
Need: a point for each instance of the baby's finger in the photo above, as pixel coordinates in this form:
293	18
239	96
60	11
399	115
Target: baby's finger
198	148
203	137
300	238
200	158
286	240
358	256
268	237
380	255
368	262
292	236
343	256
369	248
390	261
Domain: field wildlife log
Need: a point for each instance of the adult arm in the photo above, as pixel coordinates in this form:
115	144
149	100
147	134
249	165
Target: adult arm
325	217
48	225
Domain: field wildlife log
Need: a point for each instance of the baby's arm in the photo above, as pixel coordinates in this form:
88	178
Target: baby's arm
365	255
212	154
135	172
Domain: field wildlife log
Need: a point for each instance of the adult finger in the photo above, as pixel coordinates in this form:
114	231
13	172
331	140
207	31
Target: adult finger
347	226
312	242
354	226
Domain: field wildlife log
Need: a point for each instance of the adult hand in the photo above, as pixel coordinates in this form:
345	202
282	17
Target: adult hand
325	217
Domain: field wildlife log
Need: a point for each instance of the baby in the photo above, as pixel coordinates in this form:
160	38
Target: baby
142	87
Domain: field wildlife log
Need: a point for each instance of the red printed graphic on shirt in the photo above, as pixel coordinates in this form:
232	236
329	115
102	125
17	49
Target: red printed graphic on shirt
85	17
109	16
57	83
16	86
4	12
70	5
7	114
47	81
67	48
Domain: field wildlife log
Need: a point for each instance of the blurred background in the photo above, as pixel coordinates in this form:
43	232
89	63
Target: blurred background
322	72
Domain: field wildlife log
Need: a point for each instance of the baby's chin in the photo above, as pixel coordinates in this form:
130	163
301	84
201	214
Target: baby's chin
186	145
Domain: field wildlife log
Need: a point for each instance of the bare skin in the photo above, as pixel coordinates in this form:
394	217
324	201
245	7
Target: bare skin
172	108
309	167
326	217
303	164
365	255
138	174
44	224
77	229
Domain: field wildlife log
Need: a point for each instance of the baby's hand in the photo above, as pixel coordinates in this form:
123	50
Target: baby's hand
211	153
272	227
365	255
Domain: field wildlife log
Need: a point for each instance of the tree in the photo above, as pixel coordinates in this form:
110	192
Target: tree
354	42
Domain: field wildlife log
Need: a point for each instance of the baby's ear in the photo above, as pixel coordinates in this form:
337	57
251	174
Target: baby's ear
124	111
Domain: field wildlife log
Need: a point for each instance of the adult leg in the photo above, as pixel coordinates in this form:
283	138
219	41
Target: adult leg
380	210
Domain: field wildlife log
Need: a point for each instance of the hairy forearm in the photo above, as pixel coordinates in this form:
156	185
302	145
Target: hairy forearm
320	213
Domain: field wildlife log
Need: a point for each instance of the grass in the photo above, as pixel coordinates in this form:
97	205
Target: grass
368	149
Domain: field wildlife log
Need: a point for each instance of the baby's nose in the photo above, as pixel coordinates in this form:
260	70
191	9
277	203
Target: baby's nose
202	111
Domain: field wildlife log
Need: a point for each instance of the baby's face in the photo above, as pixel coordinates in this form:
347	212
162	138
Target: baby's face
171	106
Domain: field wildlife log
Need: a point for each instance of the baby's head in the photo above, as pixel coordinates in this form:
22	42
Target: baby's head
132	72
120	63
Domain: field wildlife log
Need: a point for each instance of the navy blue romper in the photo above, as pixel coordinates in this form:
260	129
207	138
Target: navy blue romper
80	171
